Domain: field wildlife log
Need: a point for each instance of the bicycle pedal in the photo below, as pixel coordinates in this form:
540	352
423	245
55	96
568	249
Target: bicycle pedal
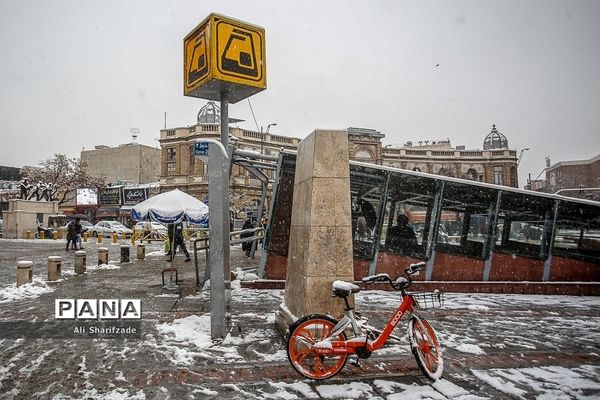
356	363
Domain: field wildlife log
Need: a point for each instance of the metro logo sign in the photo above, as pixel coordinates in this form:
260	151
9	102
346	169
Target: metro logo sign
196	59
224	54
239	51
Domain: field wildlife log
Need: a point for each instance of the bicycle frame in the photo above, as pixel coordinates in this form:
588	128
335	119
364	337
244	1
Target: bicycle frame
361	341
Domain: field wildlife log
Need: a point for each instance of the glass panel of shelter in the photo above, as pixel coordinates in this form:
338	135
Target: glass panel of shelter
577	231
526	224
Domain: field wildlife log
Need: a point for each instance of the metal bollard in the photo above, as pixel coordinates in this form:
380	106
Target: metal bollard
24	272
42	235
99	239
54	266
28	235
141	251
80	261
102	255
114	238
55	235
125	254
85	237
123	236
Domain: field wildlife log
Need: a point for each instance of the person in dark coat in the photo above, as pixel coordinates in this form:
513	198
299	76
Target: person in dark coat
178	241
72	234
247	246
401	237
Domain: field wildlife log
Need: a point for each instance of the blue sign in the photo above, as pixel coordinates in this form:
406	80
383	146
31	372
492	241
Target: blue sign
201	148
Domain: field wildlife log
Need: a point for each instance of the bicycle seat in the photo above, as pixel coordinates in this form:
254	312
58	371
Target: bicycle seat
343	289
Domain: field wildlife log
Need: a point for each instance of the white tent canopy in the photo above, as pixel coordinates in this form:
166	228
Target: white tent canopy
171	207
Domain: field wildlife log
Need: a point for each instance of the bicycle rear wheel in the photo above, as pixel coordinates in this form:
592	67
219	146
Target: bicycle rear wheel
303	334
425	347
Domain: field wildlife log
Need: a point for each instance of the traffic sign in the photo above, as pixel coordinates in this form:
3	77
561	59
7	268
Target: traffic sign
201	148
224	54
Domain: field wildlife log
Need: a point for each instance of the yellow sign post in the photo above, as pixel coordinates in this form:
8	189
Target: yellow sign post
223	54
223	59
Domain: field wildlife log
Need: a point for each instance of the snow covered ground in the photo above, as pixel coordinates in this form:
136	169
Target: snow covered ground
495	346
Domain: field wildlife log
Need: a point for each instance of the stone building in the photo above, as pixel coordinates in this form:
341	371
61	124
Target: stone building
574	174
129	169
496	163
181	169
130	163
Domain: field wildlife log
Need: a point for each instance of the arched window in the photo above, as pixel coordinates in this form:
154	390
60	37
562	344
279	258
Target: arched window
363	154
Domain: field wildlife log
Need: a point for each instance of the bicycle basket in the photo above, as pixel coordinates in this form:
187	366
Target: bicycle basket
429	299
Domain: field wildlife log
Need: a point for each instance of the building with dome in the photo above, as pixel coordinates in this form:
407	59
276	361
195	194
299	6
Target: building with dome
181	169
496	163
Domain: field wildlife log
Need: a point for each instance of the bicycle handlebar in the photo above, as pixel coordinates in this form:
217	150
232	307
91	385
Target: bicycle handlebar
401	282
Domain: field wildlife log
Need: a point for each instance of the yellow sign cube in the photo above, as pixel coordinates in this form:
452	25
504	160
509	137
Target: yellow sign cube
224	54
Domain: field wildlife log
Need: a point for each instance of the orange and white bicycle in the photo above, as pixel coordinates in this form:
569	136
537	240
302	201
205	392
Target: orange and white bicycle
318	346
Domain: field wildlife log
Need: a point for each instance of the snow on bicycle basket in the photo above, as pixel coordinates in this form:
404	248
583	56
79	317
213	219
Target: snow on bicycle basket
429	299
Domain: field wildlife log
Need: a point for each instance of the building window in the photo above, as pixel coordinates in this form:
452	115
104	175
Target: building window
363	154
498	176
171	168
171	153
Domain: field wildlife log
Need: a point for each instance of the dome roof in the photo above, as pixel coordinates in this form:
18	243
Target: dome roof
209	114
495	140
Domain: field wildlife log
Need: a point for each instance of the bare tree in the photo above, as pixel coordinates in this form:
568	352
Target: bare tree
62	176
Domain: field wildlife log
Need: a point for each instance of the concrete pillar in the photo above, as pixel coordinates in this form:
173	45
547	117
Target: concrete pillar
320	245
54	268
141	251
24	272
80	261
125	254
99	239
102	255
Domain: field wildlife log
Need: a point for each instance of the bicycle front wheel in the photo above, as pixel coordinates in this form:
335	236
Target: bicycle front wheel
303	334
425	347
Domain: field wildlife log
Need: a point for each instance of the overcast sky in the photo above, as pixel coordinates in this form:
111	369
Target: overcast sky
75	74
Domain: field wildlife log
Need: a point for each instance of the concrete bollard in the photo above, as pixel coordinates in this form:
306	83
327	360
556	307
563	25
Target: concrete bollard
24	272
114	238
125	254
141	251
80	261
102	255
55	235
28	235
54	267
42	235
99	239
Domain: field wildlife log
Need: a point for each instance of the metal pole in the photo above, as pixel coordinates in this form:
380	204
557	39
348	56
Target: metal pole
218	187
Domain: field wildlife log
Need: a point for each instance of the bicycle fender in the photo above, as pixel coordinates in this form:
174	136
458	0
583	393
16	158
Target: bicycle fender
304	318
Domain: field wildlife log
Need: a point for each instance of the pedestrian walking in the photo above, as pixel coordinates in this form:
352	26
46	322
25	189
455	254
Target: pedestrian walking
78	232
72	235
247	246
179	242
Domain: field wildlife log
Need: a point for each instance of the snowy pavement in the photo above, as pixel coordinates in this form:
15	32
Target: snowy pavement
495	346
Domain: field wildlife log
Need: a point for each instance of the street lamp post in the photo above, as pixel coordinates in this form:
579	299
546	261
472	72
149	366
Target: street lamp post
262	136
